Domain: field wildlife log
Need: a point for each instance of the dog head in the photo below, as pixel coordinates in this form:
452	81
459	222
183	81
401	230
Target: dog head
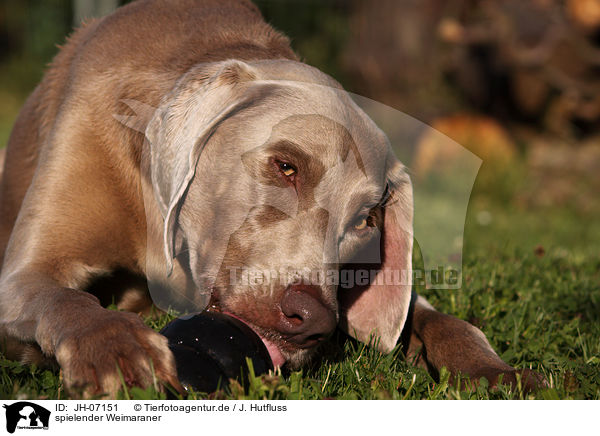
292	211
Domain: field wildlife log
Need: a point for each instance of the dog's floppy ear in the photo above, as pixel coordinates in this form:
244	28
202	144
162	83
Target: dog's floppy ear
182	126
377	312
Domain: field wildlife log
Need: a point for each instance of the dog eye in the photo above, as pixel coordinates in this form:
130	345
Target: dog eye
363	222
287	169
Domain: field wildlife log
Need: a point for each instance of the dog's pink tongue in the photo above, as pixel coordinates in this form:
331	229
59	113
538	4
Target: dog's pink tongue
274	352
276	356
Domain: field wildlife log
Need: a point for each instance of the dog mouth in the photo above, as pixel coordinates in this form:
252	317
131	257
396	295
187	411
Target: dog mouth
277	357
275	352
282	350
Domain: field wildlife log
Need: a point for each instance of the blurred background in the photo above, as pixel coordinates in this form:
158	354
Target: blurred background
517	82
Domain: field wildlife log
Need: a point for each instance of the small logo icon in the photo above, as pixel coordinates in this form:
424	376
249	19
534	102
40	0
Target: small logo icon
26	415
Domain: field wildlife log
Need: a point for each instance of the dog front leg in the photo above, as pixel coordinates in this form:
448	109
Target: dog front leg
438	340
91	344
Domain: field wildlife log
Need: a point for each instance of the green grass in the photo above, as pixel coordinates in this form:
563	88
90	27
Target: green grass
539	310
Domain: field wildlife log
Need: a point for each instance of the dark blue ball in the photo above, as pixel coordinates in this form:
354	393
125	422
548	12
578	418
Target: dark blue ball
210	348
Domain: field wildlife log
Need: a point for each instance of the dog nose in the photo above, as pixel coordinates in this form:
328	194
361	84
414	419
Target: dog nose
306	321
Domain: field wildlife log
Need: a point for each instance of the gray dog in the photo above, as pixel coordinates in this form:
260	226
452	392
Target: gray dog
253	160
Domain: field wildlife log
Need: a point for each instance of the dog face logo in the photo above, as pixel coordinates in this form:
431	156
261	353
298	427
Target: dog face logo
26	415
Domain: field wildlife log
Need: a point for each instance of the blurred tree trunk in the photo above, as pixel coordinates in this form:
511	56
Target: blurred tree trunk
527	62
84	9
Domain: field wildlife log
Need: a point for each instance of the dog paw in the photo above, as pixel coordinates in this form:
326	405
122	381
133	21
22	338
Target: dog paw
530	380
112	349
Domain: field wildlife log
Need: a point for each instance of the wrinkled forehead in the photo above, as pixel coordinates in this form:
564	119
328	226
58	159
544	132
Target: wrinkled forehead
323	124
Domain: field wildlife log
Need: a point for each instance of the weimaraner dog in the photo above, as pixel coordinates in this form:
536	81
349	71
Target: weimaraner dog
251	160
